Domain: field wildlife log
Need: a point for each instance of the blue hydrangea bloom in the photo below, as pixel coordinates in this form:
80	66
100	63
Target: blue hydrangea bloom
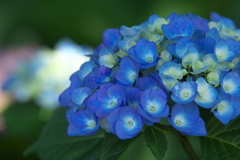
108	97
144	53
226	50
97	76
153	105
184	92
162	68
82	122
186	119
107	57
144	83
224	108
171	69
205	45
133	95
181	47
224	22
128	72
111	37
178	27
230	83
206	94
132	33
125	122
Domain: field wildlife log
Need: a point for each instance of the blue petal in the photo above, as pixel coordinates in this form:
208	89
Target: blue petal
205	45
82	122
85	69
180	48
225	113
207	94
226	50
213	33
80	94
65	97
230	83
128	72
198	129
144	53
146	83
184	92
111	37
187	28
170	31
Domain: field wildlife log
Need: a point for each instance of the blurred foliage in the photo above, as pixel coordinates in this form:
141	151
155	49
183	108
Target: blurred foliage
22	127
46	21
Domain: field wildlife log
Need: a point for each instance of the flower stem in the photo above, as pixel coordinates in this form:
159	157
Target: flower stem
183	140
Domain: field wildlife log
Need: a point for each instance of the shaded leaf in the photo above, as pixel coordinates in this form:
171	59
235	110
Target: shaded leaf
222	141
55	144
113	146
157	142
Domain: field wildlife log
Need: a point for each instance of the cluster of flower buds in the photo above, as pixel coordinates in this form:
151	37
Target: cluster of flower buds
163	68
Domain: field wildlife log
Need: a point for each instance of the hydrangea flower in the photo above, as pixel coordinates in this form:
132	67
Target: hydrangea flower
41	77
162	68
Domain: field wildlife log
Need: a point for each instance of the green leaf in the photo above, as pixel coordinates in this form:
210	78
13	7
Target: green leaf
113	147
55	144
222	141
157	142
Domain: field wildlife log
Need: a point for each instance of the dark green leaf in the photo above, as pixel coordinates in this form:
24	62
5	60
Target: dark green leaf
222	141
55	144
113	146
157	142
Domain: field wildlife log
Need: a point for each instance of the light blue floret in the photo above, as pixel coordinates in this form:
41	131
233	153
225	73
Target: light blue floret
184	92
230	83
171	69
207	94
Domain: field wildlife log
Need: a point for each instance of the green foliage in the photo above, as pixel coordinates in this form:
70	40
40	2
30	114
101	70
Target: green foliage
157	142
55	144
113	147
222	141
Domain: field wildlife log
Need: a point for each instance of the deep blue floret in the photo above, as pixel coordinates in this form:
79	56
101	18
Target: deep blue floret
153	105
98	76
144	53
186	119
108	97
125	122
128	72
178	27
110	38
82	122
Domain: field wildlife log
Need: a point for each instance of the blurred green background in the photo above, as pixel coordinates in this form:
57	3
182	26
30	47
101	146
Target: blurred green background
44	22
